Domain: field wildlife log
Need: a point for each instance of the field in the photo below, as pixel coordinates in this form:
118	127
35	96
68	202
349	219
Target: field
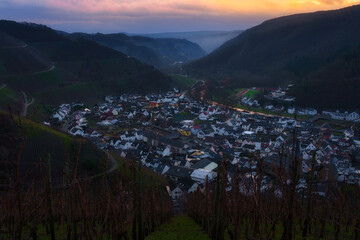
244	92
179	228
183	81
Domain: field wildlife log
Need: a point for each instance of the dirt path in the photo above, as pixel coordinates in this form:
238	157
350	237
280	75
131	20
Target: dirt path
113	161
110	170
2	86
22	46
26	104
47	70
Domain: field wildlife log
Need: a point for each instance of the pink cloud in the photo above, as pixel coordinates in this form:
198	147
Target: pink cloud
130	15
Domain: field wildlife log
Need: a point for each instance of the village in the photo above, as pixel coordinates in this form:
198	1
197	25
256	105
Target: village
186	140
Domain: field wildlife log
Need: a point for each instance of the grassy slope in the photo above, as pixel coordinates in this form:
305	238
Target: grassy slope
39	112
149	177
9	97
42	142
183	81
179	228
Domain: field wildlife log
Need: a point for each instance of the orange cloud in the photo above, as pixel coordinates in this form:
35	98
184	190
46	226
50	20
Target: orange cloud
206	7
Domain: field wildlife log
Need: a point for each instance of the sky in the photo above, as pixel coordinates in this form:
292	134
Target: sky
153	16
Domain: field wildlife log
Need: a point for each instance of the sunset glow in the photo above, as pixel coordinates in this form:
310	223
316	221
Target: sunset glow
129	14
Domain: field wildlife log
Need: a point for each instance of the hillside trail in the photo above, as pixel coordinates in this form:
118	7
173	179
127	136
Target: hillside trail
51	68
26	104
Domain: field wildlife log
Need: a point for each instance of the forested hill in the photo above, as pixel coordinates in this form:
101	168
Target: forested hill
297	48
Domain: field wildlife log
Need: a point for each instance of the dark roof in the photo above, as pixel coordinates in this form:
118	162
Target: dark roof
164	140
178	156
249	146
180	172
201	164
275	159
186	183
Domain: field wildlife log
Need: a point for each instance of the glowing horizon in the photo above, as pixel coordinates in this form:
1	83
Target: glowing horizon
155	16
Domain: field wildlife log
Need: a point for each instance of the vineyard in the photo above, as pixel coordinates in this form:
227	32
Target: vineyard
243	210
116	206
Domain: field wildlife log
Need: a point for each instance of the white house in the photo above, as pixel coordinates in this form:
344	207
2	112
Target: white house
291	110
269	107
199	175
310	147
76	131
59	115
353	116
203	116
176	193
310	111
167	151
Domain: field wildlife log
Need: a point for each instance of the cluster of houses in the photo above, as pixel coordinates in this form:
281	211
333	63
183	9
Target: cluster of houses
251	102
185	140
280	96
62	112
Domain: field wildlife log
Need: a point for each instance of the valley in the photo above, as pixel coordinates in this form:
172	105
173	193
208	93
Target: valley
217	134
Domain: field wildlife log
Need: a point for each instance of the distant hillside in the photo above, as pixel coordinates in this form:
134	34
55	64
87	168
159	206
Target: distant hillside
160	53
83	68
208	40
294	48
